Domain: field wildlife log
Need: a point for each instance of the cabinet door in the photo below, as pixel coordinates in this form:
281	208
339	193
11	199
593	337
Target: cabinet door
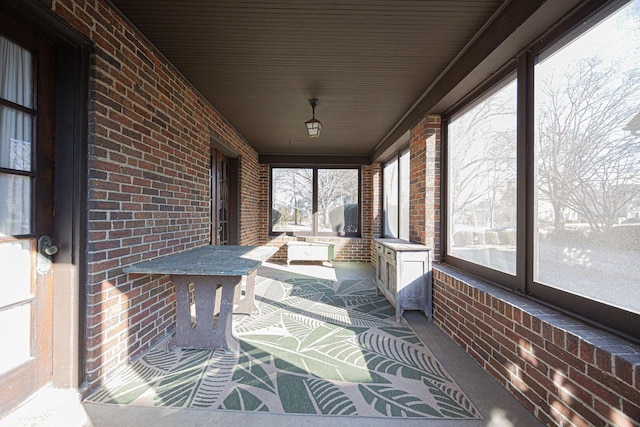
412	280
381	267
413	276
392	281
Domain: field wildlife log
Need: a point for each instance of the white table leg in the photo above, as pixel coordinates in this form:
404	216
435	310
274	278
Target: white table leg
246	304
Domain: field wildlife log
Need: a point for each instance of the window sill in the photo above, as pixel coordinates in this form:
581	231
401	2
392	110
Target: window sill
549	320
313	236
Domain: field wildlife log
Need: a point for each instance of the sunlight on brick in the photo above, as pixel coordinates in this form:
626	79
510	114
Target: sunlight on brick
566	392
620	420
525	350
559	412
516	377
563	409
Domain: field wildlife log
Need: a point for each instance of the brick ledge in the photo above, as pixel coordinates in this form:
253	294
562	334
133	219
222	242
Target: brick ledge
560	368
600	338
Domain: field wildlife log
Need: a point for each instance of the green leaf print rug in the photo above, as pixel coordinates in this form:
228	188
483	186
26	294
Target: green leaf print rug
317	346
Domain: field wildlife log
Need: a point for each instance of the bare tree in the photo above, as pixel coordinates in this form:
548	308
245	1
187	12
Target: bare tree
293	191
585	160
501	160
483	159
336	188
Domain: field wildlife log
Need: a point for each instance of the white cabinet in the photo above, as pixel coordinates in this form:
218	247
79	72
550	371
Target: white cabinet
403	275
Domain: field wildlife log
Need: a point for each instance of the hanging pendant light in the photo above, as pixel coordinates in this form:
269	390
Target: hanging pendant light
313	126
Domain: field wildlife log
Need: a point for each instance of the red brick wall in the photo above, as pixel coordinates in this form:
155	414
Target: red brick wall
425	147
149	145
368	218
264	208
346	249
376	209
564	372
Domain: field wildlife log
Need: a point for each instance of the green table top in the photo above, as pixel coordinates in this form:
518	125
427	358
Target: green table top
207	261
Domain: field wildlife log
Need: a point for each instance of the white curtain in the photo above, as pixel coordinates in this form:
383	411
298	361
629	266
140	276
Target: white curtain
16	85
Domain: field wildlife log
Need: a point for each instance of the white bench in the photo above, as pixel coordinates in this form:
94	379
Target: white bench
309	251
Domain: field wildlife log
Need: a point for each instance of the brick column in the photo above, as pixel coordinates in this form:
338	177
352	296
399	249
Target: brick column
424	205
372	204
264	208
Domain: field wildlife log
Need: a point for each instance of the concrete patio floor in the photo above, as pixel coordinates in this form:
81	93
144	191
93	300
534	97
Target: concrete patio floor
499	408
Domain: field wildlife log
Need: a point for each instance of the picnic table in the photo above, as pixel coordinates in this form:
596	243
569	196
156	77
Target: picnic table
217	274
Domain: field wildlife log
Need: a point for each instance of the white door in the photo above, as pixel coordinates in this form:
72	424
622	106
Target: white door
26	213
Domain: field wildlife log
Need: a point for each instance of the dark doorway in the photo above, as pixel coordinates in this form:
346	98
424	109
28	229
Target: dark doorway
224	199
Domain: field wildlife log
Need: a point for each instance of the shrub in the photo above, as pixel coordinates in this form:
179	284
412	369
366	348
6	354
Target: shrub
491	237
626	237
275	216
478	238
507	237
463	238
344	219
568	236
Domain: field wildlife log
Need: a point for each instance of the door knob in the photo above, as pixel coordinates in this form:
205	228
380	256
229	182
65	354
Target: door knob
46	249
46	246
51	250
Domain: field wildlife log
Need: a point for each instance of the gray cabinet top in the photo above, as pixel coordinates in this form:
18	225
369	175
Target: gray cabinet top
402	245
207	261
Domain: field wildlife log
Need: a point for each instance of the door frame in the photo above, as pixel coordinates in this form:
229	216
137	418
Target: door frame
72	52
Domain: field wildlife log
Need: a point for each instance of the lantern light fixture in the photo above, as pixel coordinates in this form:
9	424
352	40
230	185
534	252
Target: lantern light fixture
313	126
